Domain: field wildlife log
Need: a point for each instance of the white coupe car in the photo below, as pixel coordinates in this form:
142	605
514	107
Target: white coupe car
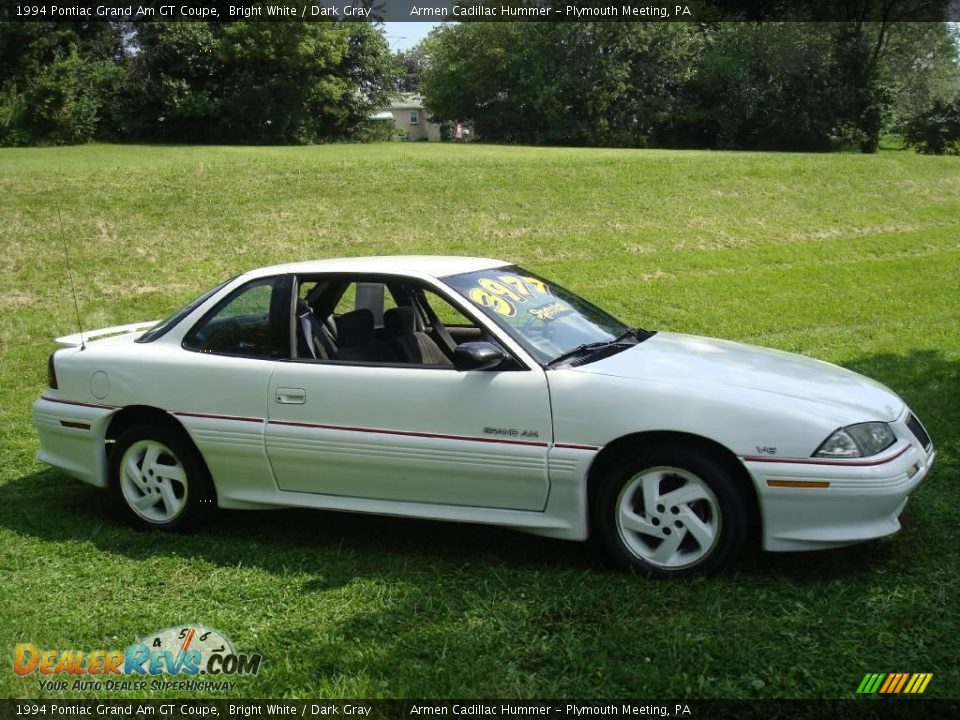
473	390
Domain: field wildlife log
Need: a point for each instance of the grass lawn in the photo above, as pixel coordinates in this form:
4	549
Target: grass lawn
853	259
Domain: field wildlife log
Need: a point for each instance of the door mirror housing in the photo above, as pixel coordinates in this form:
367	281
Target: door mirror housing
477	356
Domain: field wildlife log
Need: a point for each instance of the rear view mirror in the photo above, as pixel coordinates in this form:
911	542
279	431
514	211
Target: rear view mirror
477	356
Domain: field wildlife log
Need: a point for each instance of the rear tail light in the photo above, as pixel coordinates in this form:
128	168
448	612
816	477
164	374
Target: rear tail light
51	373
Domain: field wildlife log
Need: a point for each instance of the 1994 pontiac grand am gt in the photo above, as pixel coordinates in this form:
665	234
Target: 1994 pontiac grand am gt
472	390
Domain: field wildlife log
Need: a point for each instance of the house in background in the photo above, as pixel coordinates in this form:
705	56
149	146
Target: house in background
409	115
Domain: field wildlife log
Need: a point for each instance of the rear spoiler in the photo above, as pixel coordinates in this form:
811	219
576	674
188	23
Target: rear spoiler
80	338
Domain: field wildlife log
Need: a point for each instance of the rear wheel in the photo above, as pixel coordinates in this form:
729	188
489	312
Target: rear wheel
158	480
670	513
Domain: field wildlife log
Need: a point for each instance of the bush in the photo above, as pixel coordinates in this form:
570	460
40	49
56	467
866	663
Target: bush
935	131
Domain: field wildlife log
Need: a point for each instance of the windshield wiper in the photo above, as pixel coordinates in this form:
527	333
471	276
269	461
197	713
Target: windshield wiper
586	347
590	347
625	334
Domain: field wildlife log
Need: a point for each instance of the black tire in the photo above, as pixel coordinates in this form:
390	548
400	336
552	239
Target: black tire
722	508
191	502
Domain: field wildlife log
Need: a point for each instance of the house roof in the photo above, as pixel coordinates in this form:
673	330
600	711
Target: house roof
407	101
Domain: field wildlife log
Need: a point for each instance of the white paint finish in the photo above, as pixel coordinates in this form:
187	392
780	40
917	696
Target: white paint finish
730	368
842	514
99	384
738	396
78	452
422	267
432	446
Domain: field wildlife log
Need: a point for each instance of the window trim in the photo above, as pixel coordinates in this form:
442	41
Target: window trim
285	288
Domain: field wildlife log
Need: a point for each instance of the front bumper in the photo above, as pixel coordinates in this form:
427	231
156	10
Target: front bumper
811	505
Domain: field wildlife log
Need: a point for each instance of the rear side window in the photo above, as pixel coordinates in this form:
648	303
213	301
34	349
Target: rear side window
164	326
252	322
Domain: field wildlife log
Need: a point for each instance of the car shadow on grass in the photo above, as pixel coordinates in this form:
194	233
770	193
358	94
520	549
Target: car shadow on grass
50	506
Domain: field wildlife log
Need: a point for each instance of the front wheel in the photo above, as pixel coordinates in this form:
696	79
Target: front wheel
158	480
670	513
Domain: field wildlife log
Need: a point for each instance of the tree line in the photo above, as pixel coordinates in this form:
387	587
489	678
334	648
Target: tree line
782	86
238	82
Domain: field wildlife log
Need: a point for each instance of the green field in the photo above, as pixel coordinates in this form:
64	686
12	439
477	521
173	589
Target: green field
850	258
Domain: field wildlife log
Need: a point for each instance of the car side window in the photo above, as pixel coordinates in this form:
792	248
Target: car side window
447	313
251	322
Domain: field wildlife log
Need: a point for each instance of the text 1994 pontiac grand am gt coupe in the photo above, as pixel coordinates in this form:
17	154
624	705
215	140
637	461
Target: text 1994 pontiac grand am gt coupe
472	390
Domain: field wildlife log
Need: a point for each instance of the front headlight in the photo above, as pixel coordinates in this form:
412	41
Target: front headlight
861	440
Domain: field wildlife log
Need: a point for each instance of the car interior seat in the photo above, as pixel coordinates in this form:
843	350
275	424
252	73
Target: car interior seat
357	341
412	346
313	338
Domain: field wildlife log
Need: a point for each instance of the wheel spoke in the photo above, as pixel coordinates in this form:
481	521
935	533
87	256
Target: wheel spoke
170	501
169	472
133	472
701	532
651	491
631	521
668	548
150	458
146	501
683	495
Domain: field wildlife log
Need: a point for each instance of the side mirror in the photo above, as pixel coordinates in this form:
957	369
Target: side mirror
477	356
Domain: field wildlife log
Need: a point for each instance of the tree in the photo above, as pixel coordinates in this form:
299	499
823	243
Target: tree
936	130
414	63
191	81
260	82
58	81
769	85
922	63
584	83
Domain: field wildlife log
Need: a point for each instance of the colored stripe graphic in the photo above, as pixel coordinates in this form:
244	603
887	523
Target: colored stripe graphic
894	683
922	683
885	688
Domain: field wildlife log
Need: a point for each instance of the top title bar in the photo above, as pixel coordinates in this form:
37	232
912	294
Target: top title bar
485	11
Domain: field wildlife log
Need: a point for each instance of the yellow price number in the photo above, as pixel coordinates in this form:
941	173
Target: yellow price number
498	304
501	293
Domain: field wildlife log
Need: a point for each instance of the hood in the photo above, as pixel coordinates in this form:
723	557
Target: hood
723	365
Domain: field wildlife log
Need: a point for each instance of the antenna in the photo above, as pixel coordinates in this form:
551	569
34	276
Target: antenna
73	288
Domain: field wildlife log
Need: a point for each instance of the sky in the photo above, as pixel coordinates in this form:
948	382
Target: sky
404	35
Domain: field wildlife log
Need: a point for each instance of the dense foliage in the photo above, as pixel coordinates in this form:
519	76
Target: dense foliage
231	82
935	131
794	86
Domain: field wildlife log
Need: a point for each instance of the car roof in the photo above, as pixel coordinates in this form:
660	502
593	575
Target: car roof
436	266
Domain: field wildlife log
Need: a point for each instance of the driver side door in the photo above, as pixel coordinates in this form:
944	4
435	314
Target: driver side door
413	433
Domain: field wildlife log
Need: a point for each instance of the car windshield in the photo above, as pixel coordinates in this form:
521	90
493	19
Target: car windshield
549	321
162	327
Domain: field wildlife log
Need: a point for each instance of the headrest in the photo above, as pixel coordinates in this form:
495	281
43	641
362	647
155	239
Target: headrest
400	321
303	308
355	327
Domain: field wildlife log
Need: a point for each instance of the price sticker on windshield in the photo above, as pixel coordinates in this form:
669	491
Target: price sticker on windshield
503	293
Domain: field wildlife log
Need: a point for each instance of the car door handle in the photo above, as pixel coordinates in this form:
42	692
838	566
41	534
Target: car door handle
291	396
